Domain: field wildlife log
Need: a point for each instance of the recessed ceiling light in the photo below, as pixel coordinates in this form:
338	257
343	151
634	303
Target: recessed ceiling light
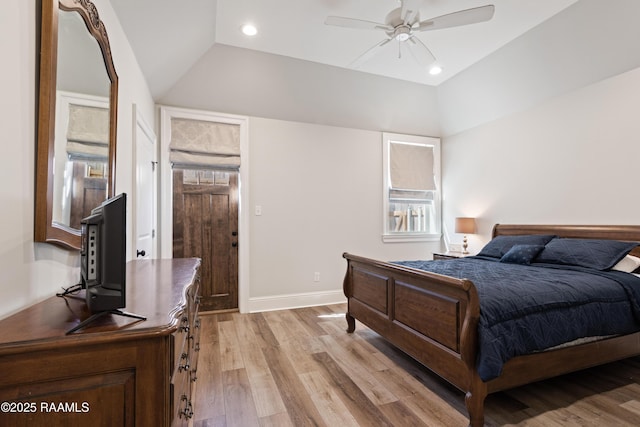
435	69
249	30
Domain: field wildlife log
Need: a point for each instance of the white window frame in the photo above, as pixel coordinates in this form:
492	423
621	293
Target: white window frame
389	236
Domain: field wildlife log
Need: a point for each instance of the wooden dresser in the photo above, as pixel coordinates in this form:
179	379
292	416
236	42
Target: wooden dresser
117	371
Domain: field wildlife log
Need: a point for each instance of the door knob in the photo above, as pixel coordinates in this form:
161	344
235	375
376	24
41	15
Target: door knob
140	253
234	244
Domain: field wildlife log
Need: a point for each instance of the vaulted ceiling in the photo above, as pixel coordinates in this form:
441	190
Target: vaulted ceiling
168	37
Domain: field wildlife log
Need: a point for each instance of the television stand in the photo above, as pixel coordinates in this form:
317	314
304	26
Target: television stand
98	315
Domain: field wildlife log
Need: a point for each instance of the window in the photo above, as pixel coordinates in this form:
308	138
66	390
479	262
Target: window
411	170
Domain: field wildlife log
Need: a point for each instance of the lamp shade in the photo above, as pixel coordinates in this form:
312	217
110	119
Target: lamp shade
466	225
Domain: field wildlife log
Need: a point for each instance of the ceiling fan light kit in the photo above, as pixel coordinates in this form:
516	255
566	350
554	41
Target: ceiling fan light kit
402	33
403	23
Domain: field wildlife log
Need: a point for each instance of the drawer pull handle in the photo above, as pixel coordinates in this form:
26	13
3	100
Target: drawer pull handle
186	365
187	412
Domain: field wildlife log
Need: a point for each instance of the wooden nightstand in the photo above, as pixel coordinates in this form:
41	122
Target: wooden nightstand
449	255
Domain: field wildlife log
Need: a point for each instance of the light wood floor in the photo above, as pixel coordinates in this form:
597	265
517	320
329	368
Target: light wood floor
300	368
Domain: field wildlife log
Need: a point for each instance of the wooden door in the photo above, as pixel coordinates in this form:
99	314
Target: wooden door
205	225
87	192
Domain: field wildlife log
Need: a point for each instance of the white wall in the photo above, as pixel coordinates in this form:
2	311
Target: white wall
543	130
589	41
320	189
572	159
31	272
132	89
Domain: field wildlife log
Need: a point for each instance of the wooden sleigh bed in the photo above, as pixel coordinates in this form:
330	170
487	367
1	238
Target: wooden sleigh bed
434	319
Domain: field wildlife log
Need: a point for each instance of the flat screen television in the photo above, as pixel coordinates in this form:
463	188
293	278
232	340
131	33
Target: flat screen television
103	255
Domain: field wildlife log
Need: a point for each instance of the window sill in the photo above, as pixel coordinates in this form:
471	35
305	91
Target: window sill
410	237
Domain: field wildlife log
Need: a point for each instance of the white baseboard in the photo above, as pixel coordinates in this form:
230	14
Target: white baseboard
284	302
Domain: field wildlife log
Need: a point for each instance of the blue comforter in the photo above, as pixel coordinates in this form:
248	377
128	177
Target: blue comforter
527	308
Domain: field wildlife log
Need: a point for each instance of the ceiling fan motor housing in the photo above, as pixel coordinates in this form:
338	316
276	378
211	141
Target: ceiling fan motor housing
401	30
395	18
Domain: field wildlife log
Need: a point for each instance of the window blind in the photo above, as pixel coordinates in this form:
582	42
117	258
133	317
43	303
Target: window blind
200	144
411	167
88	133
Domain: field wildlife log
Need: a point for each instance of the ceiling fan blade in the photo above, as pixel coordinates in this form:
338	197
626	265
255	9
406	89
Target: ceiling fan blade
410	10
358	24
424	56
456	19
368	54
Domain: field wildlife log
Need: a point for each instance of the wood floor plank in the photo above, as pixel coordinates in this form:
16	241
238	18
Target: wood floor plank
209	396
309	318
331	408
362	408
295	341
217	421
427	378
277	420
434	410
230	349
399	415
262	331
351	359
422	401
633	406
264	389
299	404
238	399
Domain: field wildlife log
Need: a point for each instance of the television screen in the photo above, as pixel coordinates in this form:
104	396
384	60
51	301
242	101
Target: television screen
103	255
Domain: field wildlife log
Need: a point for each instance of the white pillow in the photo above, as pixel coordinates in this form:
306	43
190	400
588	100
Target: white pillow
627	264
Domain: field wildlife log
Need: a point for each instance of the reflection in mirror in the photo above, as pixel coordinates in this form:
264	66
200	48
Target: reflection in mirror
80	162
77	110
82	124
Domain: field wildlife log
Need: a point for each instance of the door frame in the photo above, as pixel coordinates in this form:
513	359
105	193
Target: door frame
166	189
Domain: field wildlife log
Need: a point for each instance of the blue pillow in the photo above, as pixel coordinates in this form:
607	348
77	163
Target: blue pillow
522	254
500	245
591	253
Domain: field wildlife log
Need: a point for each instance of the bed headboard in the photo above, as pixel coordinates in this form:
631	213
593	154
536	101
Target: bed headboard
630	233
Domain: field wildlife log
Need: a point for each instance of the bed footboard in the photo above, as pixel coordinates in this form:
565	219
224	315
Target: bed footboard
431	317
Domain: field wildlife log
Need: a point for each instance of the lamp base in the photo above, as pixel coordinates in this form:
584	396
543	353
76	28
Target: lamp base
464	245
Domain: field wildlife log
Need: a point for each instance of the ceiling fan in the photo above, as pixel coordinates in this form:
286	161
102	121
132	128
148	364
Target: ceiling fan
403	23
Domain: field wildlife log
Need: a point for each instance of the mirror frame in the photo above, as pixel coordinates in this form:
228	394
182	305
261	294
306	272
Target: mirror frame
44	228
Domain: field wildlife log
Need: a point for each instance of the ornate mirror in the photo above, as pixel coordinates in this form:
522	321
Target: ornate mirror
77	111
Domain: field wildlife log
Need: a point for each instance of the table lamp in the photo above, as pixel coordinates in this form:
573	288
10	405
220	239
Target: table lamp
465	226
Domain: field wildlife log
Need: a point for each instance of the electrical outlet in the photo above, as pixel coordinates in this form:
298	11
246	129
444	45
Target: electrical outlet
316	276
258	210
